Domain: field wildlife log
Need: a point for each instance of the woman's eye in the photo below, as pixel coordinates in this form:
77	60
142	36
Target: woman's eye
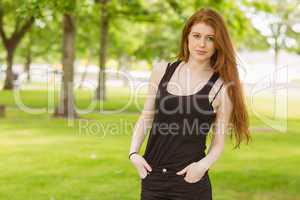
210	38
197	36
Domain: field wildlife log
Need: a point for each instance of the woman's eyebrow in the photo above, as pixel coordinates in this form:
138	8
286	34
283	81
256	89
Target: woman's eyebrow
207	34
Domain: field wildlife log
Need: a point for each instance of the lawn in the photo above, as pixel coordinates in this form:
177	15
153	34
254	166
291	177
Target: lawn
47	158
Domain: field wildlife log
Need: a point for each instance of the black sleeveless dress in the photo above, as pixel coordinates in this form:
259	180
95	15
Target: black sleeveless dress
176	139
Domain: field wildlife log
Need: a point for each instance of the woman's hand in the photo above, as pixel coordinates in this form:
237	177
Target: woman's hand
194	171
141	165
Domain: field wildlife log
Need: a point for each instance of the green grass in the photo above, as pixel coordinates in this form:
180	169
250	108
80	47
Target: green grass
43	99
47	158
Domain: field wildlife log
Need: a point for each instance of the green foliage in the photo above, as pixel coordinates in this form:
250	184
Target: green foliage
63	6
142	30
280	17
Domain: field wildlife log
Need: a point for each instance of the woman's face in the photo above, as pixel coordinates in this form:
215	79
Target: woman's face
201	42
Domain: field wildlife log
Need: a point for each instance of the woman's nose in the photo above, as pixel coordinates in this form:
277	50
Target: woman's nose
202	42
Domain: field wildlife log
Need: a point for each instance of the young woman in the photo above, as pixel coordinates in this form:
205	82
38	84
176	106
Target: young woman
199	91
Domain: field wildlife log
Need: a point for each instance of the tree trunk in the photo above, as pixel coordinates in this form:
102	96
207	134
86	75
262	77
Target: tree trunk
28	58
66	106
9	80
84	74
2	111
10	45
28	63
100	91
275	76
124	64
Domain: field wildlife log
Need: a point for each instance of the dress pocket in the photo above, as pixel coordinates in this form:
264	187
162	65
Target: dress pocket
203	178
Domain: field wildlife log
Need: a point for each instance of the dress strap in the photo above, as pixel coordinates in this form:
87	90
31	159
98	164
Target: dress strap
171	68
207	88
169	71
216	94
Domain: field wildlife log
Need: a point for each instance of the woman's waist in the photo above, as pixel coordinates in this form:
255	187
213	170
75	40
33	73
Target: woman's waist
169	166
167	170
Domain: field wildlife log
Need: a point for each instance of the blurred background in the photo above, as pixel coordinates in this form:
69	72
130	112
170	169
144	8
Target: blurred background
74	77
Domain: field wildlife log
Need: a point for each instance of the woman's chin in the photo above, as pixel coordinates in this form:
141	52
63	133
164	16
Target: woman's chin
201	58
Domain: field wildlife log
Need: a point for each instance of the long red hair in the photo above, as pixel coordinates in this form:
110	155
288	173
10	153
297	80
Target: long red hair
224	61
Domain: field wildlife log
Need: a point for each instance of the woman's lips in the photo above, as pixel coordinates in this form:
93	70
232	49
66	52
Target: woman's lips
201	52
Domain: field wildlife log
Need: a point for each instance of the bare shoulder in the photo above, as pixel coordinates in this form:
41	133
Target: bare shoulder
217	87
220	82
158	71
220	93
224	98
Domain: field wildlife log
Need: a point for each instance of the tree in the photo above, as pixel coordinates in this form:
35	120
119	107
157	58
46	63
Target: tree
113	10
42	43
10	43
66	107
278	17
104	21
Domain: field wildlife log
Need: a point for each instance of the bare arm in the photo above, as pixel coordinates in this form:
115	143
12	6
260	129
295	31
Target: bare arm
145	120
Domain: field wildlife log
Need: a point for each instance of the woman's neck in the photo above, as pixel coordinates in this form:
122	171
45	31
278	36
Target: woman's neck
196	66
